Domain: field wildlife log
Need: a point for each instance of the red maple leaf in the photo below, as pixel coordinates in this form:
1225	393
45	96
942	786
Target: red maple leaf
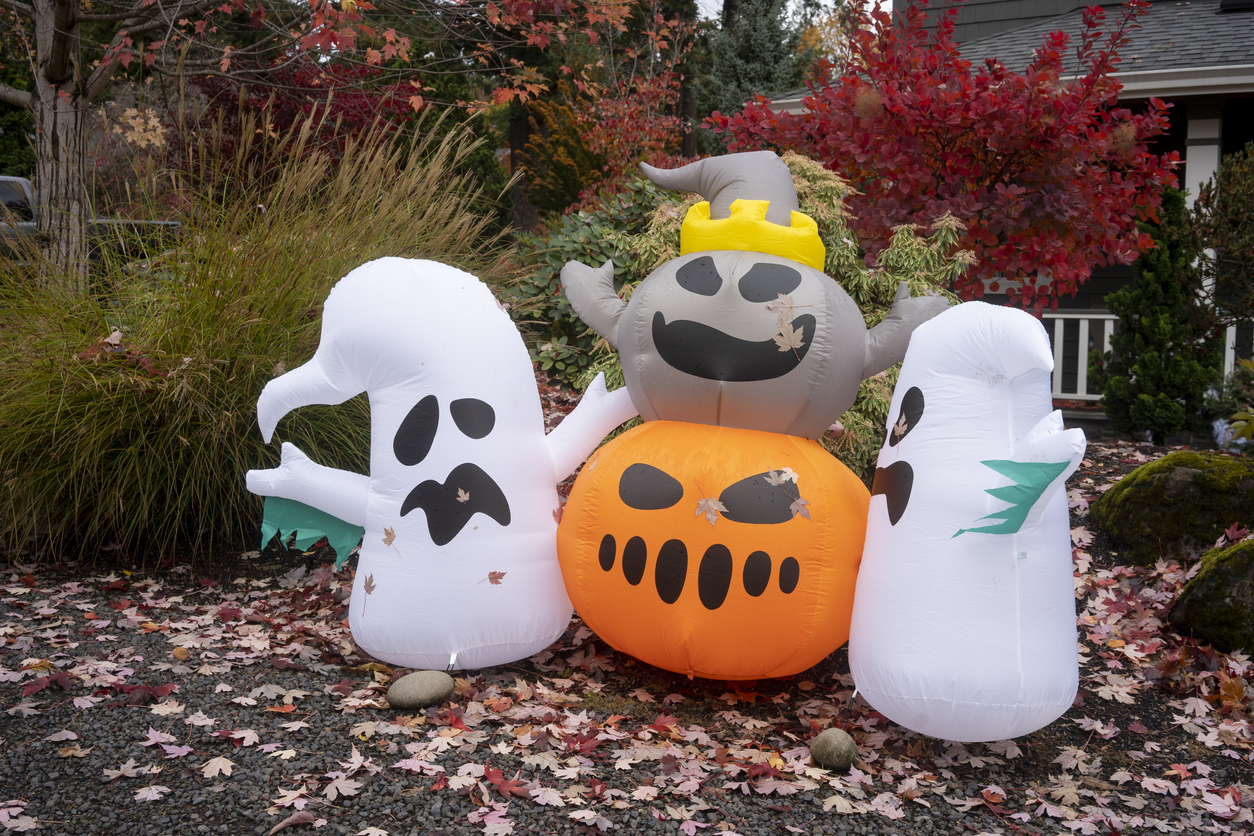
512	786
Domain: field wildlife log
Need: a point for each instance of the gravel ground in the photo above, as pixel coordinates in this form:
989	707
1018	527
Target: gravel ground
230	699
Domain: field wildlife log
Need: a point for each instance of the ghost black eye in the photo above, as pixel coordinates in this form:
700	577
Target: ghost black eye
472	416
700	276
764	282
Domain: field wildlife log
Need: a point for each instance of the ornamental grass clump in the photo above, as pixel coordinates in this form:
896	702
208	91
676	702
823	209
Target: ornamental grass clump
129	419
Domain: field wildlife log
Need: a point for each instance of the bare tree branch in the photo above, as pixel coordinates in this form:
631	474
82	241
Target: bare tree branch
17	8
15	97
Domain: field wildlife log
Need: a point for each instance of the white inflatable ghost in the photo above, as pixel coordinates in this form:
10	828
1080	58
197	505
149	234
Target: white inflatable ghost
458	567
964	615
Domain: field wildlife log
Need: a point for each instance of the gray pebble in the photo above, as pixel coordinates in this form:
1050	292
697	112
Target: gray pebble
834	749
420	689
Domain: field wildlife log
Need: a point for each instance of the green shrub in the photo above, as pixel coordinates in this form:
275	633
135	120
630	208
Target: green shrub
638	243
143	440
1164	354
561	344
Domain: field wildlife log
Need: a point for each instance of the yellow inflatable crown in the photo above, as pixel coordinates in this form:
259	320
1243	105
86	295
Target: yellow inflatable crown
748	229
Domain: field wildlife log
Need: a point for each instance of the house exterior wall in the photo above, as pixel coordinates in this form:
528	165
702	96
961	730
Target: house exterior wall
981	18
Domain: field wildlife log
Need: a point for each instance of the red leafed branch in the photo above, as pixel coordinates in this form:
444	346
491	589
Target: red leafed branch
1048	171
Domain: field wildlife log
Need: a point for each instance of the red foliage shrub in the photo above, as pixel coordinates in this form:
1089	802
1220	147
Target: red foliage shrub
1049	173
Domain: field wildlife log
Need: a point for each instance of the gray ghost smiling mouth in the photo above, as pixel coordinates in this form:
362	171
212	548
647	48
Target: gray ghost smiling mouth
704	351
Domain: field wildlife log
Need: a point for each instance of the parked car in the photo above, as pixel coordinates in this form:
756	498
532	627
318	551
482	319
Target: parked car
131	239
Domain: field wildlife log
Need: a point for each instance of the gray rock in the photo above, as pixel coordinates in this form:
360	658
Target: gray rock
1217	606
834	749
420	689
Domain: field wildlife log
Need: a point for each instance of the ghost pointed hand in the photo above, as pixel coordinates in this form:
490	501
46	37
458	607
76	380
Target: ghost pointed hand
592	295
886	343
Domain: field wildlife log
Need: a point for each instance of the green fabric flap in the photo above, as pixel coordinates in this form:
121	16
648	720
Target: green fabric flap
284	516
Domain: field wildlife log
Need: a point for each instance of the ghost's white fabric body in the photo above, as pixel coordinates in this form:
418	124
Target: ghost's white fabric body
969	637
408	332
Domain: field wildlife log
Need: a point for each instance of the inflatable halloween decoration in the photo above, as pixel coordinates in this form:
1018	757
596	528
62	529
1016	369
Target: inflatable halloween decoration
457	567
964	618
743	329
678	546
717	552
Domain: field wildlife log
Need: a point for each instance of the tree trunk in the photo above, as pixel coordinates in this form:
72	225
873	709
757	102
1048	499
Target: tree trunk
526	216
62	203
688	110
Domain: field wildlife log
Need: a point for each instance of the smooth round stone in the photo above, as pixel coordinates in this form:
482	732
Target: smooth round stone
420	689
834	749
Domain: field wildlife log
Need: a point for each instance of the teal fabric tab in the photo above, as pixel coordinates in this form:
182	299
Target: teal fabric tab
1031	479
311	525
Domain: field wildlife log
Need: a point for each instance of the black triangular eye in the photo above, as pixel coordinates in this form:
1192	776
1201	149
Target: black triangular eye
646	488
909	416
413	439
472	416
700	276
756	501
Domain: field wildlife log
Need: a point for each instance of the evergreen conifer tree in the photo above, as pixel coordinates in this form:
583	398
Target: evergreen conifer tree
756	52
1164	354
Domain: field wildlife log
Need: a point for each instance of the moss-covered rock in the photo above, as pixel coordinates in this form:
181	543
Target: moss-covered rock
1217	606
1175	505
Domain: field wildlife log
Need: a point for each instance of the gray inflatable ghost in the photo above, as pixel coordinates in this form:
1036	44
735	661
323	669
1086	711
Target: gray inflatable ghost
743	329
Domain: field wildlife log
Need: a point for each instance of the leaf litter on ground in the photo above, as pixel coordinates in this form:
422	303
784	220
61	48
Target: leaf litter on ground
1159	739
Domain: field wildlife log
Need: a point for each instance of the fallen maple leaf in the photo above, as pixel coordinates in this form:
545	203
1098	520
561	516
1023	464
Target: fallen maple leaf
388	536
784	306
1081	536
368	585
1235	533
462	496
789	338
709	507
152	793
783	477
494	578
901	427
130	769
221	765
74	751
154	737
340	785
799	506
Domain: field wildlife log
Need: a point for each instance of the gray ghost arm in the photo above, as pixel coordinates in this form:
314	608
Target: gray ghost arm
591	293
886	343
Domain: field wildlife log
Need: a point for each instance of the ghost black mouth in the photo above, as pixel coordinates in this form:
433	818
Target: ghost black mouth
703	351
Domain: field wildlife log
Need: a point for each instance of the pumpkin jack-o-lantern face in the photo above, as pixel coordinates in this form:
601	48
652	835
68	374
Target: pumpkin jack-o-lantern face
718	552
741	339
760	499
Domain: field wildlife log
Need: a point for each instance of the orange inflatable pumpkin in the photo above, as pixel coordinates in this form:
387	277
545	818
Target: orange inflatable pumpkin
715	551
